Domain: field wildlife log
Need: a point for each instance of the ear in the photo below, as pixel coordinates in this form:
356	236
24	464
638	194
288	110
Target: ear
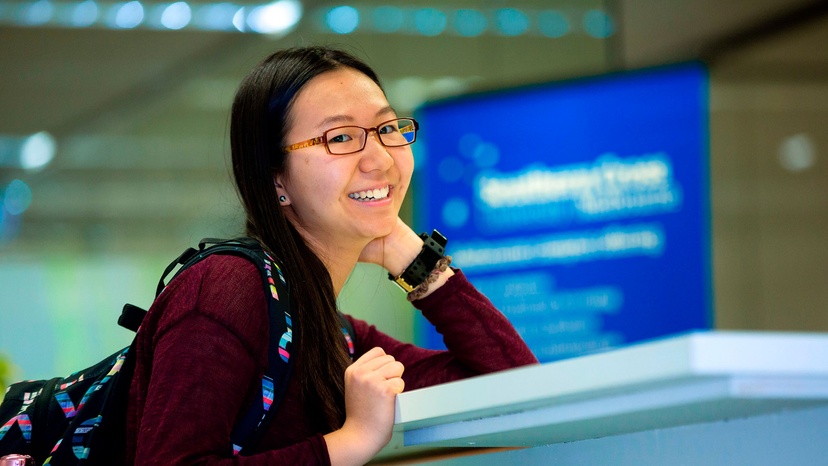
281	193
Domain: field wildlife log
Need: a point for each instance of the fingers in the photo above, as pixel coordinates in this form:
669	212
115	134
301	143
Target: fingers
391	369
369	355
375	359
397	385
376	363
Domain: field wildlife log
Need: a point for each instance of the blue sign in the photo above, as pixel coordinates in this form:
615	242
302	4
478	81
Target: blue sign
579	208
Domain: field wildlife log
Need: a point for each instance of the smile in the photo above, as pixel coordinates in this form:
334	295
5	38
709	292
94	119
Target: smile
371	194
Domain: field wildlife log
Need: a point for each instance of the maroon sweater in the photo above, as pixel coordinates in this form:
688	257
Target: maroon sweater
202	350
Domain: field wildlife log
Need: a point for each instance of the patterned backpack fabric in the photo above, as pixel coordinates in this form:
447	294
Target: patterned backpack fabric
56	421
81	419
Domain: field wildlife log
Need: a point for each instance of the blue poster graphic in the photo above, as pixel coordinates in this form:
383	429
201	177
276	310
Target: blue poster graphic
580	208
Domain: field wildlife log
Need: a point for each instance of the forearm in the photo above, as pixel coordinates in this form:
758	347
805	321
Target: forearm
479	338
474	331
346	448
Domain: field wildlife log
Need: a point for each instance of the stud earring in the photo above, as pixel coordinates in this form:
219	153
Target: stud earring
282	199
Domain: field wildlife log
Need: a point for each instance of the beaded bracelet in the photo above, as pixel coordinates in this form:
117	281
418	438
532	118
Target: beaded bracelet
422	289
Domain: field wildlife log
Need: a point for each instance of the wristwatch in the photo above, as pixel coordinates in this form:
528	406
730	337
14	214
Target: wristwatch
434	248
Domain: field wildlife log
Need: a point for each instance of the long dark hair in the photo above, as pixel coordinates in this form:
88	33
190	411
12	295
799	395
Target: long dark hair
260	119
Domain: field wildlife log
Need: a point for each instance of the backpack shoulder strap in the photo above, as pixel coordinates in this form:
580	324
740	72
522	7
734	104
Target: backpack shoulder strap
253	424
348	333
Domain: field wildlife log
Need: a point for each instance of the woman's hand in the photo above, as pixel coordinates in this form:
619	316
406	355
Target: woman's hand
395	251
372	383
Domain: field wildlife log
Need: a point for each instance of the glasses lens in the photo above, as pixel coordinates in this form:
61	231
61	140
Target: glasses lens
401	132
345	140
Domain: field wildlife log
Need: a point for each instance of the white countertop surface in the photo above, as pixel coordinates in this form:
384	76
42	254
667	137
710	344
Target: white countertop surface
686	379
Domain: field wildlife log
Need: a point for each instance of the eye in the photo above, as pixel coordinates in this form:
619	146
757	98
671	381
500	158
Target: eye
338	137
389	128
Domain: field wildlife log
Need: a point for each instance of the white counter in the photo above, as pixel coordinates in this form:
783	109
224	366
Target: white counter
683	380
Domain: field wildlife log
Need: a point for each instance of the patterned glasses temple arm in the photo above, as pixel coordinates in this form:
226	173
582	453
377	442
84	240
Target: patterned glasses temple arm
303	144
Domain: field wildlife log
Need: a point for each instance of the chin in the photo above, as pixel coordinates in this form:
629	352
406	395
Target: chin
382	229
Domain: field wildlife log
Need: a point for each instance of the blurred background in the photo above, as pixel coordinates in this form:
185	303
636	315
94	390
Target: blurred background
114	145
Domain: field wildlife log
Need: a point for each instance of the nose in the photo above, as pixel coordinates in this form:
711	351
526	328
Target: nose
375	156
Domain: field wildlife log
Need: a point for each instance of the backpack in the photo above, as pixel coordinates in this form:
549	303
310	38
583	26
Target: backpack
81	419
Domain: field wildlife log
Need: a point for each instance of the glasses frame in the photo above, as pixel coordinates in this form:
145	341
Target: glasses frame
324	138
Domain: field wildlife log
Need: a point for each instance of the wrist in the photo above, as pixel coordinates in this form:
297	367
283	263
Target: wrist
430	256
435	280
402	252
347	447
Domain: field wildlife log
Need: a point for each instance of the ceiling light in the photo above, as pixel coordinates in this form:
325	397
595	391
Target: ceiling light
38	13
598	24
275	18
342	19
553	24
470	23
238	19
84	14
388	19
176	16
17	197
37	151
31	152
797	153
214	17
129	15
511	22
430	21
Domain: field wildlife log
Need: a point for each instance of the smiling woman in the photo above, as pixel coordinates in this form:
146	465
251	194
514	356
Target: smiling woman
322	163
321	182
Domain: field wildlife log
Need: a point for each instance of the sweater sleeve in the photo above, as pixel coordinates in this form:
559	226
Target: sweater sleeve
206	351
479	339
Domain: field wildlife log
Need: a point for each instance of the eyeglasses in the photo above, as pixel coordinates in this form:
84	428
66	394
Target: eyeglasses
344	140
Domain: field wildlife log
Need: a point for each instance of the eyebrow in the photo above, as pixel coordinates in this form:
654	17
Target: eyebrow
350	119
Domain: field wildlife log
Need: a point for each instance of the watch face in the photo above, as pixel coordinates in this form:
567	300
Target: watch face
439	238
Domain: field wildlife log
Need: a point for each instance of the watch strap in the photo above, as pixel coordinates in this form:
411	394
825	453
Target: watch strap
434	249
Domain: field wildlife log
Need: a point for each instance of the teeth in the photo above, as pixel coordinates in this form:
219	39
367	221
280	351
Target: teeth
370	195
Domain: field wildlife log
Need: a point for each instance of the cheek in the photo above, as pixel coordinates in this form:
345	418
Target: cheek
405	164
319	184
302	170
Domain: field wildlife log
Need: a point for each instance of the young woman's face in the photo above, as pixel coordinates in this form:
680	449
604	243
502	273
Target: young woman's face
326	194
